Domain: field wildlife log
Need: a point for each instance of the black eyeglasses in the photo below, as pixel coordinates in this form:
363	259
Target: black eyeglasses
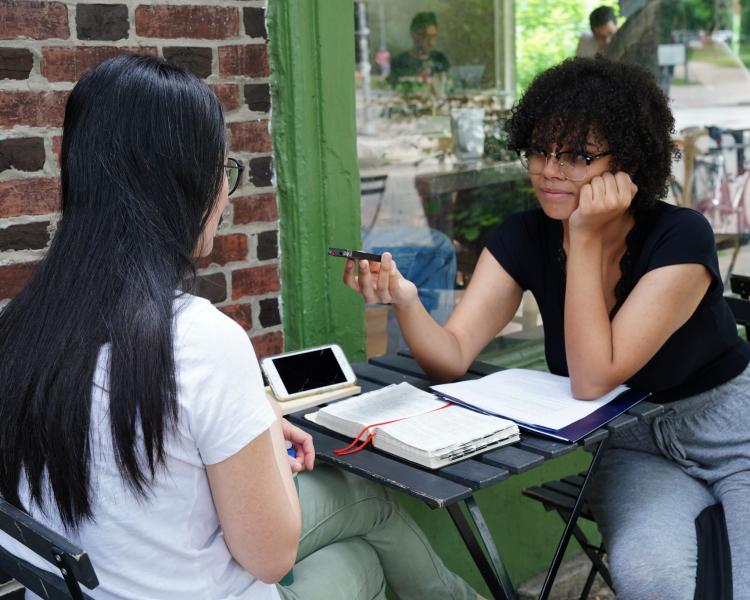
234	169
572	165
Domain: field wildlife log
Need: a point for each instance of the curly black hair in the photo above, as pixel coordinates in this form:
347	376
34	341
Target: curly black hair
620	104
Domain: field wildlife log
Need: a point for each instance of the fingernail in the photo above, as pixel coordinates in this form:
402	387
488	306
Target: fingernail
363	264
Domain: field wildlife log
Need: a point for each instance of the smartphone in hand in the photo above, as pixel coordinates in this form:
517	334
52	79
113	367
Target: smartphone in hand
354	254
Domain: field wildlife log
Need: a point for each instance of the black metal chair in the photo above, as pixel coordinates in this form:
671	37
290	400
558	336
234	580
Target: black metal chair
373	186
740	285
73	563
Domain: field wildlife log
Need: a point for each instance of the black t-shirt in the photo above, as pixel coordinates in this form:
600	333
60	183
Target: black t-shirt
407	65
702	354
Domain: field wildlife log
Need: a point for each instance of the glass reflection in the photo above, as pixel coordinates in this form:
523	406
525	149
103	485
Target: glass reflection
436	79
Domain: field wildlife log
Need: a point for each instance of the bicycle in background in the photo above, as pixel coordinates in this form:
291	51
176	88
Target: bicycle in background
717	180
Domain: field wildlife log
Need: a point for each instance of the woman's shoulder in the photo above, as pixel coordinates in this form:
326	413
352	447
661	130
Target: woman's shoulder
198	320
668	220
670	235
667	215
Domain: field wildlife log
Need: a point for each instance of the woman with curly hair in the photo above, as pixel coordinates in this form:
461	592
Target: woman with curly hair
629	292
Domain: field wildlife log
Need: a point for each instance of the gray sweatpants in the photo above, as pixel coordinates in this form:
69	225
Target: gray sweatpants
655	479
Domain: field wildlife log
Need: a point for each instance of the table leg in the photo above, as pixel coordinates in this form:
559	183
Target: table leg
489	564
489	545
589	583
571	522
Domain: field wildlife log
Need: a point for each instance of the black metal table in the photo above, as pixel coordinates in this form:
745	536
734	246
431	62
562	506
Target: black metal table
454	484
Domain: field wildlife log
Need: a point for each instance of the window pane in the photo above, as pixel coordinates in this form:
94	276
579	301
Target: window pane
433	92
436	79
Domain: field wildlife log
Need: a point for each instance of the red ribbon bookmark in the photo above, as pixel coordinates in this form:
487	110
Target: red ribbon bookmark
351	449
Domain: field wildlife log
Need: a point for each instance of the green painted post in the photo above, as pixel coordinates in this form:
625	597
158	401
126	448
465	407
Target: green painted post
314	132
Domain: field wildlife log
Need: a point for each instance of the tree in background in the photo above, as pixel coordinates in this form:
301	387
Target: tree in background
699	14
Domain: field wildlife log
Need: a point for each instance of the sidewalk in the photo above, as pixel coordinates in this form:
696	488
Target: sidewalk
569	582
718	93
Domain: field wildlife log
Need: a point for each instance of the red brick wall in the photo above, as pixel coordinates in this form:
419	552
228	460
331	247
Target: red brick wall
46	46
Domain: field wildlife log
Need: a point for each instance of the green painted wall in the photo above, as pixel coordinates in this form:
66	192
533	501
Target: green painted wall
313	123
314	134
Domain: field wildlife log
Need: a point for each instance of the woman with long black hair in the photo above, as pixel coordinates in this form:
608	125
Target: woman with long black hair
132	414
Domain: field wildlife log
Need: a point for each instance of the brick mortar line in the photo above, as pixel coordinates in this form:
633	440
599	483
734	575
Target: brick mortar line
17	257
6	222
253	228
264	330
66	86
36	82
237	265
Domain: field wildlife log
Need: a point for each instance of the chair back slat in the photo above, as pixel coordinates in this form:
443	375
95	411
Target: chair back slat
47	544
740	284
740	309
372	191
43	583
372	184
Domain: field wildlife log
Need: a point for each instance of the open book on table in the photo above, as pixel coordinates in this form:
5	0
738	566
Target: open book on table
539	402
416	425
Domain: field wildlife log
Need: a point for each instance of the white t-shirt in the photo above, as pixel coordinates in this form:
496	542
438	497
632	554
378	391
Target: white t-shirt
171	545
587	46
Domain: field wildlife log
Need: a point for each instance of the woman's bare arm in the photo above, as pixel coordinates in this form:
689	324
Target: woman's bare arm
445	353
258	507
603	354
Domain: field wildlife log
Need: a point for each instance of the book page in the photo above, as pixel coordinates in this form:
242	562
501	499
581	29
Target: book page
526	396
444	430
387	404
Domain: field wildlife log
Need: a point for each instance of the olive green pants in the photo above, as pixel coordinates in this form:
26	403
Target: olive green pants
355	538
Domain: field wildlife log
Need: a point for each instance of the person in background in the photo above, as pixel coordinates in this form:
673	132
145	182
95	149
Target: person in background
133	417
422	60
603	23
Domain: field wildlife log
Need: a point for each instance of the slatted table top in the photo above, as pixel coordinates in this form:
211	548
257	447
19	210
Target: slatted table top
439	488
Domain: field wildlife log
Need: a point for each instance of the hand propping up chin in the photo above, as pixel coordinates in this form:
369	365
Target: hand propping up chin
605	198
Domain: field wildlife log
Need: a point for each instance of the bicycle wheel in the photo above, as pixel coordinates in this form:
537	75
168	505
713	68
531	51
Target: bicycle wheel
705	185
675	193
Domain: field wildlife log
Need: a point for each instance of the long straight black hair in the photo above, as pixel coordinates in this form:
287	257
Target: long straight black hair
141	166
